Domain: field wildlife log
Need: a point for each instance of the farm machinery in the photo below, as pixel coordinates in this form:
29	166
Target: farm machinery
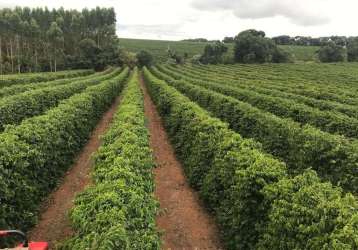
25	244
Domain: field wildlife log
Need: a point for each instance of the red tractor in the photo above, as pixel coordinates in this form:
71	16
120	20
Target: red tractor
25	245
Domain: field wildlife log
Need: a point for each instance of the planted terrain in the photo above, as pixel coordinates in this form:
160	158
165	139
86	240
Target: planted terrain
256	200
36	153
207	157
8	80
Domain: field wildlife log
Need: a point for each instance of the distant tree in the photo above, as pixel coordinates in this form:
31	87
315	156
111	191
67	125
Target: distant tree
174	57
55	36
89	53
352	49
40	39
213	53
129	58
332	53
186	55
302	40
214	41
282	40
254	32
35	41
2	33
339	40
144	58
110	55
199	40
309	41
251	46
228	40
281	56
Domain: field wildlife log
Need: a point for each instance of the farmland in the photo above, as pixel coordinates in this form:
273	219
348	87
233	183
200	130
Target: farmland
259	159
27	150
218	138
159	48
270	150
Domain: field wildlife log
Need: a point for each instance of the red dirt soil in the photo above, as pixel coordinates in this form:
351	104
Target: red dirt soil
54	225
185	222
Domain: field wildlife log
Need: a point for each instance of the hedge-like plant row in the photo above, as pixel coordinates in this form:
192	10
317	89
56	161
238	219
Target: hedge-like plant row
19	88
293	77
320	93
7	80
118	211
255	202
324	105
299	74
267	87
331	122
37	152
13	109
335	158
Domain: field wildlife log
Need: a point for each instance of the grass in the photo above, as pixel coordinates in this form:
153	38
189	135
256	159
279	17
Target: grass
302	53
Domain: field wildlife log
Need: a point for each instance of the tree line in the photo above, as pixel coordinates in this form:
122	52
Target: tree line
39	39
311	41
303	40
252	46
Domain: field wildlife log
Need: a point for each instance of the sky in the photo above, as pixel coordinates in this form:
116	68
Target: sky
215	19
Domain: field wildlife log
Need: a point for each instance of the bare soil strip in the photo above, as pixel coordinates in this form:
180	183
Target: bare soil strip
186	224
54	225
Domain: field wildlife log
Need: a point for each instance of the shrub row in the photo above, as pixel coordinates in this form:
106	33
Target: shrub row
334	93
19	88
267	89
34	154
331	122
297	77
334	157
13	109
290	78
7	80
118	211
250	192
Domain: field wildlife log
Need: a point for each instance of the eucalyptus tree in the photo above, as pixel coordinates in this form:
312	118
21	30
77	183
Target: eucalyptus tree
40	39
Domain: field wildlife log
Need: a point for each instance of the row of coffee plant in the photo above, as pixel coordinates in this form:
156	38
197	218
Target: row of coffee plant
333	157
36	153
256	203
7	80
118	210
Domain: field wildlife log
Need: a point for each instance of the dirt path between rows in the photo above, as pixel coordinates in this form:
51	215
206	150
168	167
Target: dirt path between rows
185	222
54	225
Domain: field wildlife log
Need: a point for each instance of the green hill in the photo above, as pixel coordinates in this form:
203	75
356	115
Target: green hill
159	48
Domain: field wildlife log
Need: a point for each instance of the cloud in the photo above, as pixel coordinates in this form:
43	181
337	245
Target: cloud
7	5
304	12
152	30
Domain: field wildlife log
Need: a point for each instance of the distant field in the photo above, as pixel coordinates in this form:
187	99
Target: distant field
302	53
159	48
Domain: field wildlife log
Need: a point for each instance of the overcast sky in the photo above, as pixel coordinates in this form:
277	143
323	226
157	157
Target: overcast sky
215	19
